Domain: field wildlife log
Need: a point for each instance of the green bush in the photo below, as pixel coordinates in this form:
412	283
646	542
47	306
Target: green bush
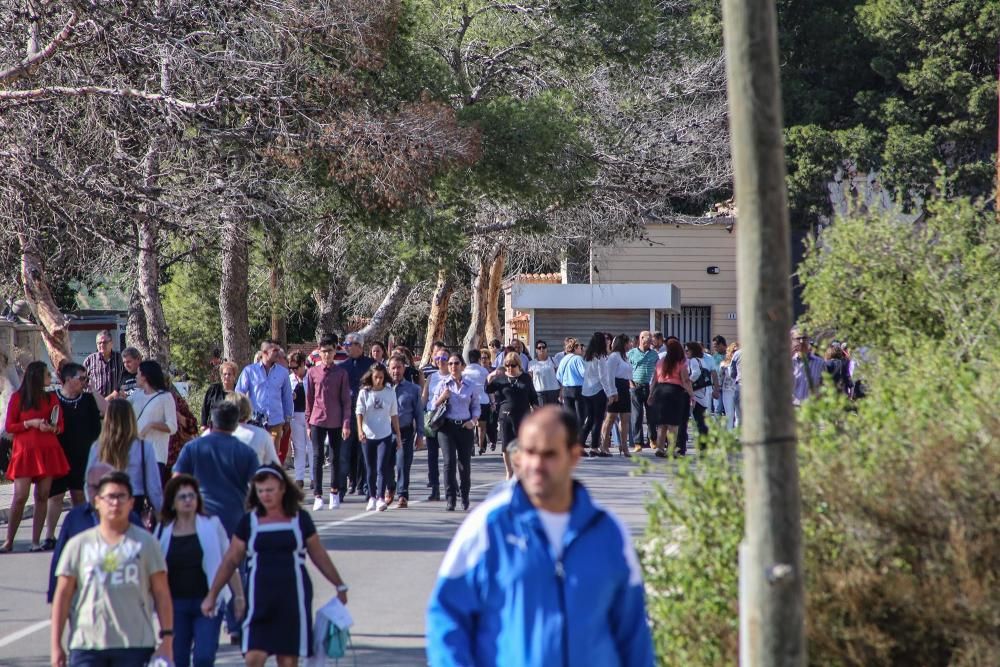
900	493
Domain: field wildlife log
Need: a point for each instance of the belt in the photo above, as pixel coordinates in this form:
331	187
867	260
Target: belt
457	422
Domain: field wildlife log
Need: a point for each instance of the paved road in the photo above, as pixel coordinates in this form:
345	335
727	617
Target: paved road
389	559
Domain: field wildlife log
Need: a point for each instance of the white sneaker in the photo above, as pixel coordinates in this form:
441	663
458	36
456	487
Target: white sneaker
381	505
334	500
371	504
318	504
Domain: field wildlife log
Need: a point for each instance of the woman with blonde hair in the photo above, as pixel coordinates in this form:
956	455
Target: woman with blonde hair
120	447
228	374
728	379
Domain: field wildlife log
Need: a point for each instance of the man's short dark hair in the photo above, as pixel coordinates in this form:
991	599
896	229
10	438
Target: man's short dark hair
474	356
70	370
659	334
225	416
494	343
115	477
437	343
719	340
329	340
132	353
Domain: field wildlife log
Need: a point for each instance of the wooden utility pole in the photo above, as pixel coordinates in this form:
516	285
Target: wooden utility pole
771	577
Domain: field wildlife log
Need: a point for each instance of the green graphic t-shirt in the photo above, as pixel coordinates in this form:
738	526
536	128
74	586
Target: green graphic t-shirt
113	604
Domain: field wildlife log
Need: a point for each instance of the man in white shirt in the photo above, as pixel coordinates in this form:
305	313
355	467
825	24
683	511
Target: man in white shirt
254	437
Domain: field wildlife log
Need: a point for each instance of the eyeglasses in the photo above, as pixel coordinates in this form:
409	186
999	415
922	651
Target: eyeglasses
114	498
184	497
293	368
440	358
541	347
512	365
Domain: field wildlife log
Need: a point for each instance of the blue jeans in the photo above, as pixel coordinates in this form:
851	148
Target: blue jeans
404	460
110	657
191	626
380	455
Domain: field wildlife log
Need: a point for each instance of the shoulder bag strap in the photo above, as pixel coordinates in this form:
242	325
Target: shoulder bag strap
155	396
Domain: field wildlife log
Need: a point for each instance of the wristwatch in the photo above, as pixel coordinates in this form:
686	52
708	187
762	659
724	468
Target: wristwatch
166	633
343	588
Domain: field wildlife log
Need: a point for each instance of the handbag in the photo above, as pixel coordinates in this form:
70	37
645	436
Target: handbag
704	379
338	640
146	512
434	420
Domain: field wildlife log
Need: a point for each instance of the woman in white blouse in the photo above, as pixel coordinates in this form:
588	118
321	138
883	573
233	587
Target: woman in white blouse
620	372
155	411
598	392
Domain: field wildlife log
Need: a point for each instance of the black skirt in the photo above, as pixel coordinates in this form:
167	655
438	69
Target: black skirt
623	405
670	404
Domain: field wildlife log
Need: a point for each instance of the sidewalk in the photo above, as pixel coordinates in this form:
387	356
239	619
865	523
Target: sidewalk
7	495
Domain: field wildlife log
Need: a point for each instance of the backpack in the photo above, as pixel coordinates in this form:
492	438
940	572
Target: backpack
704	378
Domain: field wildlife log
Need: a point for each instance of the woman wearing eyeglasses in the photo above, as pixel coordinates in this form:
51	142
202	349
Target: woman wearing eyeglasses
194	545
455	436
515	396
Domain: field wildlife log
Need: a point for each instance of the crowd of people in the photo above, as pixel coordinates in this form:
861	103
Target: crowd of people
218	516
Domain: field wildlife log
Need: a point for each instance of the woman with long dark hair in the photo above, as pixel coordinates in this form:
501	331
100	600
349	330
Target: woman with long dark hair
670	395
277	536
700	368
155	411
35	419
620	371
378	420
598	391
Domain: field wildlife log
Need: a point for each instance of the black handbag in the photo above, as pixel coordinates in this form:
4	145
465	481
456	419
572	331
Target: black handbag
704	379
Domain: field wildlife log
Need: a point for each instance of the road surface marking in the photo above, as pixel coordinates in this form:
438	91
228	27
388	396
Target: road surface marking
24	632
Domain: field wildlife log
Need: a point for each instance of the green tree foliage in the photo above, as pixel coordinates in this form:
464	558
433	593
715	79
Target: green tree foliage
894	285
895	86
191	305
899	502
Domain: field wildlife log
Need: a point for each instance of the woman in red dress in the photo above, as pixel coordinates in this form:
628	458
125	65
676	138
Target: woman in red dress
37	456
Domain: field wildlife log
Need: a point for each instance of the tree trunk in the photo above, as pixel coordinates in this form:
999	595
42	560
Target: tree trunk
233	306
327	300
494	327
135	331
438	315
279	327
148	289
55	325
478	296
385	314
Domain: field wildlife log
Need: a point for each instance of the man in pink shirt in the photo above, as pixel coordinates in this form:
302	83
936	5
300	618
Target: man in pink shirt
328	416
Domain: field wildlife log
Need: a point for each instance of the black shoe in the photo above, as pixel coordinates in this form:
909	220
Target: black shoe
451	505
493	447
435	495
363	492
235	639
465	503
48	544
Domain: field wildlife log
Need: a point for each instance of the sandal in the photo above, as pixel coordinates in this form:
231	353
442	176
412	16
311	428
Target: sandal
6	548
660	453
36	548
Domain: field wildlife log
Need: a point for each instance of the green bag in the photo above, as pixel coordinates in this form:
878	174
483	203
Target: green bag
337	641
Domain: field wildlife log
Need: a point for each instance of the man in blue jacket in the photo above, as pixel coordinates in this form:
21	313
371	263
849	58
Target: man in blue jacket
539	574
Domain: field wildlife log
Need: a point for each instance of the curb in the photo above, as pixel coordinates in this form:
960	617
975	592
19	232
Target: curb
29	512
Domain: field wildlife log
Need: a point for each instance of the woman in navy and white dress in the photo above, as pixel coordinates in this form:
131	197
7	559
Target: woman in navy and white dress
275	536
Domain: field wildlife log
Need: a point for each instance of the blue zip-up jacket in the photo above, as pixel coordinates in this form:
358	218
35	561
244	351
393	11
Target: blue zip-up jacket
502	600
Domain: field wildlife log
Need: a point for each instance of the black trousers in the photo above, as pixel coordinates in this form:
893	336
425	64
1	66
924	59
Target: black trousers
549	397
326	441
699	419
573	401
456	449
681	445
597	407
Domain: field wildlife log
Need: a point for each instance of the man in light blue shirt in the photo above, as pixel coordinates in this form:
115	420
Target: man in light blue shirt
266	385
570	375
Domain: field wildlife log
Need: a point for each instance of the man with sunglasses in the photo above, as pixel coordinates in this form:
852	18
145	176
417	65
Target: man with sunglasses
807	368
105	367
